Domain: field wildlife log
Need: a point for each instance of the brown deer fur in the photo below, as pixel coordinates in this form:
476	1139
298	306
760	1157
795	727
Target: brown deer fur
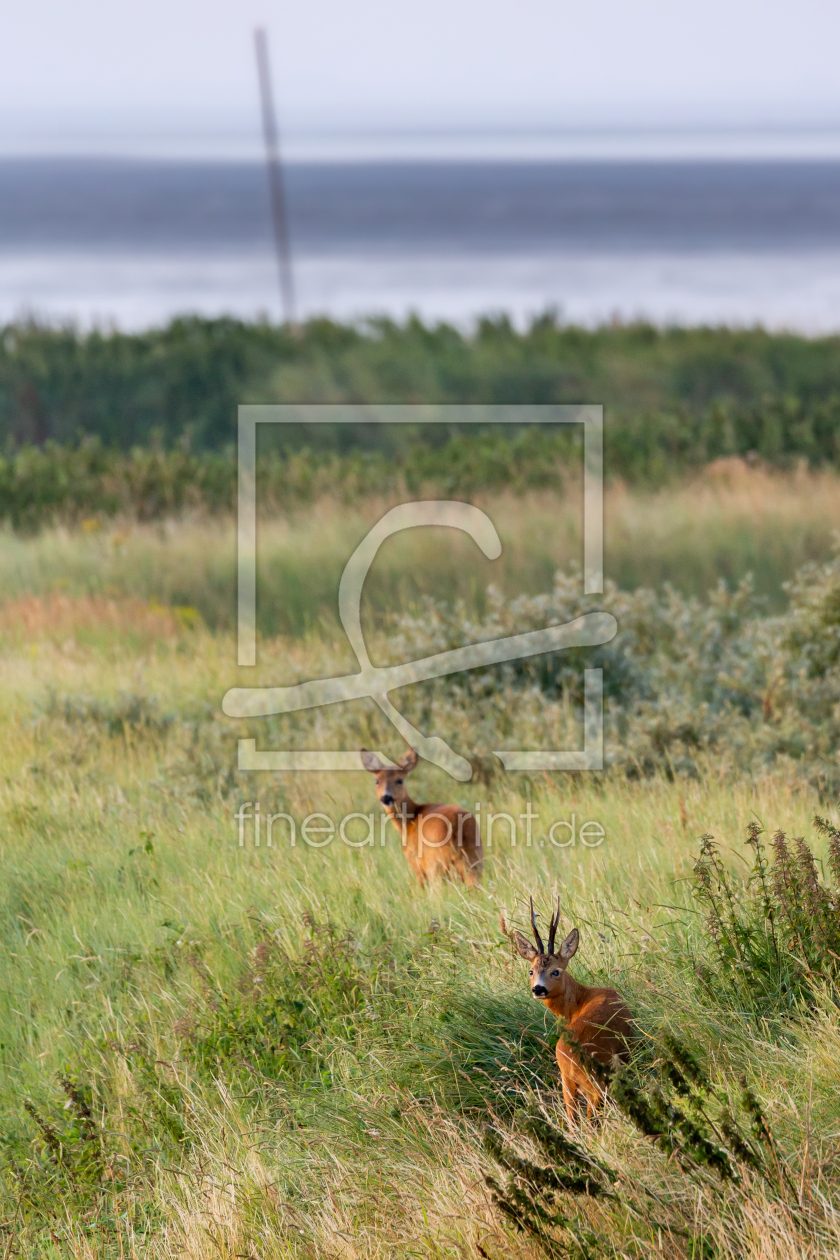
439	840
598	1019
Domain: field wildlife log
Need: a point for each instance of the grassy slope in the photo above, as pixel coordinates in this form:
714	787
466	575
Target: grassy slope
132	926
122	870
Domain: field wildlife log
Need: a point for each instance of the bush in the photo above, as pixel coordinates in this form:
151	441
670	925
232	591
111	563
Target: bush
683	677
775	935
67	1162
717	1151
281	1011
676	398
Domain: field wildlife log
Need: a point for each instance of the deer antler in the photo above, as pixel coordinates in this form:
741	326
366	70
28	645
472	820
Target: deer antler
540	945
552	928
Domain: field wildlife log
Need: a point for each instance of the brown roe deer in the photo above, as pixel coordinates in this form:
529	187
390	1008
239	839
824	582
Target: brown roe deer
439	840
598	1019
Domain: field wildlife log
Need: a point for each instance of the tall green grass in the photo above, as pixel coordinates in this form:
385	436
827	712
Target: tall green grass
290	1050
209	1049
731	521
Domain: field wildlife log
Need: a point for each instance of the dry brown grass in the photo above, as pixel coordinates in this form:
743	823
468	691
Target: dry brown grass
55	618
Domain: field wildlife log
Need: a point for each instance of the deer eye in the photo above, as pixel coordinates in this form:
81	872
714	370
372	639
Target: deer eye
555	973
399	782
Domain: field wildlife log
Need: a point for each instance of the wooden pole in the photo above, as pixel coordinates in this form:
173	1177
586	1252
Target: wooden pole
276	189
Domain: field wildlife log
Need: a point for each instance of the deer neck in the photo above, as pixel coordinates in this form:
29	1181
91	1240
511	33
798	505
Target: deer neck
568	998
407	809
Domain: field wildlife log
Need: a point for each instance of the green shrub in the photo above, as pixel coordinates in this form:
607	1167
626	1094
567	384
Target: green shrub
281	1011
775	934
683	677
676	399
66	1163
716	1148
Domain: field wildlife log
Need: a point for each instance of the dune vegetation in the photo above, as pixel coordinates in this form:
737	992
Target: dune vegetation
677	397
217	1048
254	1041
728	520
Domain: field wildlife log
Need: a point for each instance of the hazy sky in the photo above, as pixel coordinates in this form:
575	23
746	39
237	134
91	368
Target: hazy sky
436	63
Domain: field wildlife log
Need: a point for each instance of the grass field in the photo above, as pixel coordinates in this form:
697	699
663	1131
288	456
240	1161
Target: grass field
729	521
217	1049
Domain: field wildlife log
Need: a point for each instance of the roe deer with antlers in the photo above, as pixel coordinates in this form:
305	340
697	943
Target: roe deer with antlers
598	1019
439	840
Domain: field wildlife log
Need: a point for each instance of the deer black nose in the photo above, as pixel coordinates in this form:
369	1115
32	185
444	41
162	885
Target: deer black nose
539	990
387	799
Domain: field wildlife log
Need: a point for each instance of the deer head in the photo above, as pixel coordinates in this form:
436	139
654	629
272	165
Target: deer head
547	971
390	780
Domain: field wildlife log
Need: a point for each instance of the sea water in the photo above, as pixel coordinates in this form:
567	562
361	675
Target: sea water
134	242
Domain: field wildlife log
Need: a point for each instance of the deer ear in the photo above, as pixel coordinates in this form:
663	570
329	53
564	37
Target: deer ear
569	947
524	946
408	761
370	761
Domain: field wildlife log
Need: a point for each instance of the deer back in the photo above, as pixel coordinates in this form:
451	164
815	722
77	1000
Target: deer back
440	837
602	1023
